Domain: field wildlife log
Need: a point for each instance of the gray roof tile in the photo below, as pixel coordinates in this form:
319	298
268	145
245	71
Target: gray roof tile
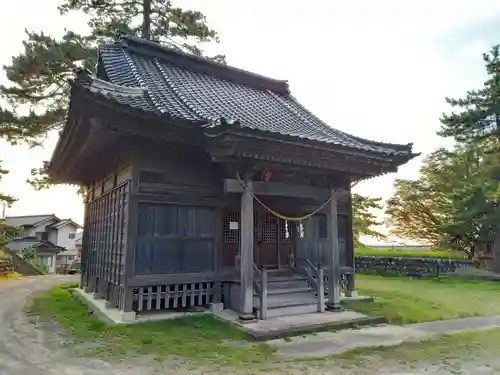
29	220
162	80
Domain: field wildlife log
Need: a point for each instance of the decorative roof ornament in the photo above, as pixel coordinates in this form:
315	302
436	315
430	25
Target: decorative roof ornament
166	42
221	122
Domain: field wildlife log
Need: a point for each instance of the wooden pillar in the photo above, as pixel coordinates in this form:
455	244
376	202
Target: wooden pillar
351	256
246	253
333	256
218	240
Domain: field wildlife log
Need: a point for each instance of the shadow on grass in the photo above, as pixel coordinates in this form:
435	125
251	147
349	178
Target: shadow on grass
195	338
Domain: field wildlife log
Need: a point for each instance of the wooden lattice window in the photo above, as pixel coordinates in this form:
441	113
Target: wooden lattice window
265	227
232	227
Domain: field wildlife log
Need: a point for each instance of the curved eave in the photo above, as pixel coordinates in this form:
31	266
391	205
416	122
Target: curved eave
213	132
69	139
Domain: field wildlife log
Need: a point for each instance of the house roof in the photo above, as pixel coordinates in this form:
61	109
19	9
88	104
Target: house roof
28	220
33	242
165	81
33	220
64	222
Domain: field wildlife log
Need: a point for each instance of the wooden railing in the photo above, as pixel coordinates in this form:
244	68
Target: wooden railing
315	278
261	274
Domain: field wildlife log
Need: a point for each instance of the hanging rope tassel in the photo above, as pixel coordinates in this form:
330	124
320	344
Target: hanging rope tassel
278	214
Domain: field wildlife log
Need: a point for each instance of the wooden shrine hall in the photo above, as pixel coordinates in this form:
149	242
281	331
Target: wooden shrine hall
209	184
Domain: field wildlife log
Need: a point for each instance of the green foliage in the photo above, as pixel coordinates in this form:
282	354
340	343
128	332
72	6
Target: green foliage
29	254
38	89
475	125
421	209
478	115
363	218
453	202
7	232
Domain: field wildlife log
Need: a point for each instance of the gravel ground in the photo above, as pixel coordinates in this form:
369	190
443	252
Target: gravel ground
31	347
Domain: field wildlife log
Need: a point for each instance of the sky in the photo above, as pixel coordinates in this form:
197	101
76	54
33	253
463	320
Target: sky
376	69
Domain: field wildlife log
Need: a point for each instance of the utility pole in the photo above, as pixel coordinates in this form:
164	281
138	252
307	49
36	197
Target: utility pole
146	19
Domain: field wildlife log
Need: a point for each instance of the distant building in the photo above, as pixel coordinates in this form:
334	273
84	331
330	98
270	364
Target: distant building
53	239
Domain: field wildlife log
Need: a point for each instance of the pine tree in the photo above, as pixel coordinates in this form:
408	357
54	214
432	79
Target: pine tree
364	219
478	117
475	125
39	75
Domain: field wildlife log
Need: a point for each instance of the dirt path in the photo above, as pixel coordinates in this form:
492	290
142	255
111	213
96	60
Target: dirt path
30	349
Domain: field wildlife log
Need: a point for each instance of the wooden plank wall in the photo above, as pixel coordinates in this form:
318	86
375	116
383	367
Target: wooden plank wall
314	245
105	236
176	242
175	239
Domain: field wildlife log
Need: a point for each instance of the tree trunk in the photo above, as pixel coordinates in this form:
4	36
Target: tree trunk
146	21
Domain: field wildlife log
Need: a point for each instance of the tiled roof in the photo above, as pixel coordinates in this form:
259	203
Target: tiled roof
32	242
29	220
153	78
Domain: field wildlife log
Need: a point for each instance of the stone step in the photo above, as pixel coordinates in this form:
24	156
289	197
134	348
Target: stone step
276	312
289	299
288	285
289	282
288	293
287	272
284	277
294	290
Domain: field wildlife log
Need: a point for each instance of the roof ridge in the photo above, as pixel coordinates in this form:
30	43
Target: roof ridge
202	64
10	217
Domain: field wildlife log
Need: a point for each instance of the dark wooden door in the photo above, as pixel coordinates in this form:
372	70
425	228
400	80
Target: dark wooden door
265	239
273	238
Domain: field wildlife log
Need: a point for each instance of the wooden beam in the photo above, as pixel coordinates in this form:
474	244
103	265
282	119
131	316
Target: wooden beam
173	278
280	189
246	253
333	257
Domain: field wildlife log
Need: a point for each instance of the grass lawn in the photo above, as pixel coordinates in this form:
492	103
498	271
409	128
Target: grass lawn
442	254
402	300
197	338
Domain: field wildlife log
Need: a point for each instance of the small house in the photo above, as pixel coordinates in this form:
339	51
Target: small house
52	239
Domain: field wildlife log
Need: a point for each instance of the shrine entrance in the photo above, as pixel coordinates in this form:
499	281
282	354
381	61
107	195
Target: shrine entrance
273	239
